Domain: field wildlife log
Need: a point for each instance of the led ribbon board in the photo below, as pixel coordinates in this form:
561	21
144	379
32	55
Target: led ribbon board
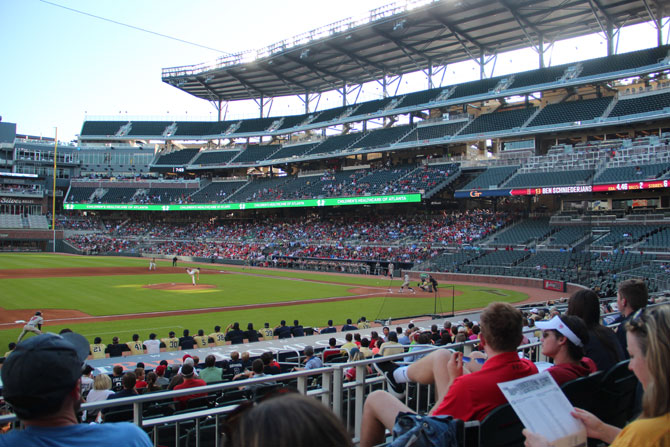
574	189
336	201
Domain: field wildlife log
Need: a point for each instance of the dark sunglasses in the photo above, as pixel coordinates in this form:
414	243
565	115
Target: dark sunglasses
479	360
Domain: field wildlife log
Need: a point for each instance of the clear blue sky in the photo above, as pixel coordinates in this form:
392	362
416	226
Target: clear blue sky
59	66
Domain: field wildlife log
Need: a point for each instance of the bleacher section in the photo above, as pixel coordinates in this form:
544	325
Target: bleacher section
624	235
180	157
296	150
214	157
625	61
79	194
383	137
493	122
571	111
523	233
567	236
118	195
144	128
217	192
641	104
632	173
538	179
433	132
255	125
336	143
102	128
658	241
492	177
255	153
10	221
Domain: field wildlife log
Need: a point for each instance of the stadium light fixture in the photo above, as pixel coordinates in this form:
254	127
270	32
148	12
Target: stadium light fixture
304	54
399	25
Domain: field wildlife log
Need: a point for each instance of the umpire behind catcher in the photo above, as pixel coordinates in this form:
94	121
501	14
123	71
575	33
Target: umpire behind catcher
42	382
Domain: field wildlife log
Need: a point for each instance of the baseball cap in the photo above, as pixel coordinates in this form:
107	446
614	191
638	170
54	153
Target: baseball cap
187	370
160	369
557	324
25	386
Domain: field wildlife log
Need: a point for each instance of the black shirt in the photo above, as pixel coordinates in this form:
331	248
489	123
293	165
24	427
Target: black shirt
116	350
328	330
297	331
349	327
251	335
235	336
186	342
283	332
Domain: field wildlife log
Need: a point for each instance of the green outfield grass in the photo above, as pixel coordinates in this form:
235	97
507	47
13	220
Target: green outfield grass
117	295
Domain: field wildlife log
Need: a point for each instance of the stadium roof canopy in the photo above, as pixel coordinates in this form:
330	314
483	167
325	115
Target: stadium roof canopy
395	40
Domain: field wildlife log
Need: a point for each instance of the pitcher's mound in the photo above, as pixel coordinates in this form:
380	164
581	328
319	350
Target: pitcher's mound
178	286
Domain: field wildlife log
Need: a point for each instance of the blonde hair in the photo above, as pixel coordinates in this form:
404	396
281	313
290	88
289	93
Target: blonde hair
102	382
651	329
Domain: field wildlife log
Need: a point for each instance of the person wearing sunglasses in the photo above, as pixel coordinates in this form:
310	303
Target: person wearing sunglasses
648	337
563	340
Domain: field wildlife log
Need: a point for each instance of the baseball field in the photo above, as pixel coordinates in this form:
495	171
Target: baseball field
108	296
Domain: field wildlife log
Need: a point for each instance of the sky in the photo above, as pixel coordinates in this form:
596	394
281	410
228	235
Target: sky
60	67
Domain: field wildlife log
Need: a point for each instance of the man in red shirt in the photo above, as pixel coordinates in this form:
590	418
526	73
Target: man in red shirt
189	382
459	394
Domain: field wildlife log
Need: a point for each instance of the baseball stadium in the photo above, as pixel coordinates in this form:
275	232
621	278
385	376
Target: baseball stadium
402	217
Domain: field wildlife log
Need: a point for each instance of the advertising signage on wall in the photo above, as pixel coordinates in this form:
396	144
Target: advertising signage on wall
573	189
336	201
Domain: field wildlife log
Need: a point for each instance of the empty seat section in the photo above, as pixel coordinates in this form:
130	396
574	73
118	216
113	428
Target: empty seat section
502	258
524	232
658	241
80	194
295	150
624	61
328	115
474	88
216	192
569	112
566	236
180	157
643	104
255	125
293	121
434	132
256	153
166	195
632	173
368	107
102	128
624	235
537	77
422	97
197	128
492	177
118	195
493	122
383	137
148	128
336	143
557	178
214	157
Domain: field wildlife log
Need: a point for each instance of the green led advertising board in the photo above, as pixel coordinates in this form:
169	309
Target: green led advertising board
336	201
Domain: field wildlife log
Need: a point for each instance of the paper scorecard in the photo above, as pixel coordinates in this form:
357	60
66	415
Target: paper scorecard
543	408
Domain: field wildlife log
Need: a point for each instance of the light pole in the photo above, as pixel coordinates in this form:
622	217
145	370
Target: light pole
53	192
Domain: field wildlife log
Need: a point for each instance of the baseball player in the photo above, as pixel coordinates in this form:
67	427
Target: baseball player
391	267
97	349
152	264
218	336
406	284
194	273
34	325
171	343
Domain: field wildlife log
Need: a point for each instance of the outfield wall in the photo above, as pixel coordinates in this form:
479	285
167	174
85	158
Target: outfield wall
537	283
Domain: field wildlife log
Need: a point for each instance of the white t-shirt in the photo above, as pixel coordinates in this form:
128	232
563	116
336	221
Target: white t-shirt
153	346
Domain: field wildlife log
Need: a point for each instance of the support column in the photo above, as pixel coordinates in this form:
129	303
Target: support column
261	104
610	39
481	65
540	50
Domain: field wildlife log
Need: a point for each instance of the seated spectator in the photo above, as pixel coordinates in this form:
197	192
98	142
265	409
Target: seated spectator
297	329
128	381
363	323
354	356
186	341
234	366
97	349
602	346
270	365
346	347
201	340
190	381
255	373
135	346
648	333
332	350
632	295
161	380
171	342
251	334
234	334
272	422
328	329
562	341
211	373
48	409
282	331
311	361
117	378
245	358
102	385
365	348
461	395
267	332
218	337
392	346
116	349
152	345
349	326
86	380
140	384
422	343
152	383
